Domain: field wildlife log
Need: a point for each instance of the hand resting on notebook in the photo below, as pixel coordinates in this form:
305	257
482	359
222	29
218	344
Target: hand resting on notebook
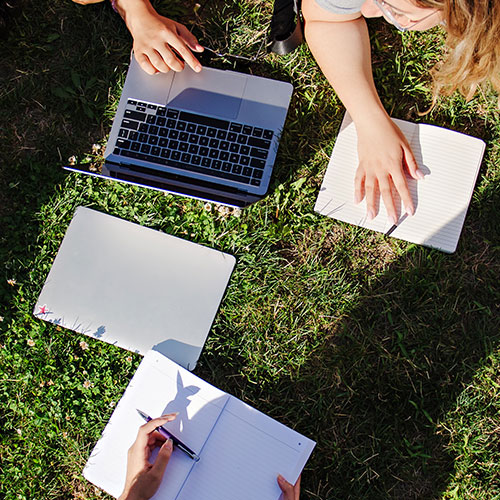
160	44
143	478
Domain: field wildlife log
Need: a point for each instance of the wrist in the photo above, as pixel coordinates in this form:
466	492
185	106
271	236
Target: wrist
133	11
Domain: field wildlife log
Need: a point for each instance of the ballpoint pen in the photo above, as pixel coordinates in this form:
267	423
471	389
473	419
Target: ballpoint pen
167	434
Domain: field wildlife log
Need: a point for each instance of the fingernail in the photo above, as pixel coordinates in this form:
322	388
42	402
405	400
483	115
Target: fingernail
370	214
199	47
410	211
280	478
393	220
168	443
420	174
197	68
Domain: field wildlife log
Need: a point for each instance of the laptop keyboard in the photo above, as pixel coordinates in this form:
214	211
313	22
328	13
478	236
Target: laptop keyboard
192	142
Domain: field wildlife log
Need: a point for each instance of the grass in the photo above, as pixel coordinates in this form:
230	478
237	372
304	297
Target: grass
384	352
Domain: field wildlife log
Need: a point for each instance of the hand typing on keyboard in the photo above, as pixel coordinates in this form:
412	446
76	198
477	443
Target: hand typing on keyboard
160	44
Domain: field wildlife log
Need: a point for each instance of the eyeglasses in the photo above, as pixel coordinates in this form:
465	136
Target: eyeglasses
400	21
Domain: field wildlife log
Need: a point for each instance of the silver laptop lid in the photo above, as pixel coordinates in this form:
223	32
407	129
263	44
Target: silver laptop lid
134	287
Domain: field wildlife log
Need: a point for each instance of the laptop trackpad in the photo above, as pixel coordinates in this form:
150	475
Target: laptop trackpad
206	102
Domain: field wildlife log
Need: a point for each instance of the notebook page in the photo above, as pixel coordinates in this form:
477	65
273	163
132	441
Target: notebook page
450	162
159	386
244	455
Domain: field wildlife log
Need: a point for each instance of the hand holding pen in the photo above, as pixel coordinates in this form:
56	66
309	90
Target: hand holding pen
143	478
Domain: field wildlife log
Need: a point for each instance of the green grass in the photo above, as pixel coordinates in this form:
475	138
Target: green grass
384	352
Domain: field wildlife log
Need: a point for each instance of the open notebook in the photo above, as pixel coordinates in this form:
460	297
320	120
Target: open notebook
450	162
241	449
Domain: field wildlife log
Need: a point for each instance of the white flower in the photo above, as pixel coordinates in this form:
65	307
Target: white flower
84	345
30	342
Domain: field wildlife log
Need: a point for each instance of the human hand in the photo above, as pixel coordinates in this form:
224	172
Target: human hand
290	492
383	153
143	478
159	41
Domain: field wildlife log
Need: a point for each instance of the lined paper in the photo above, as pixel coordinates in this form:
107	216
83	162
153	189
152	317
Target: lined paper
241	450
450	162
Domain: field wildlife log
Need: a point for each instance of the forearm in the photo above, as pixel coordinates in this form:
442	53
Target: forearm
133	11
342	50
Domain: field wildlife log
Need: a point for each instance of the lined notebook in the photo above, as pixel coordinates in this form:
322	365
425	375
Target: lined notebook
450	162
241	449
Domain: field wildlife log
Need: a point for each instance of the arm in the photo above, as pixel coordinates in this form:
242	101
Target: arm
341	46
157	38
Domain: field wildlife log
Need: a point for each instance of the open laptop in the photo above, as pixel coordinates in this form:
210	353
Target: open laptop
134	287
211	135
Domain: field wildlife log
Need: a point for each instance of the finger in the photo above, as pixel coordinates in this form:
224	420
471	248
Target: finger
296	488
371	196
286	488
402	188
384	186
189	38
359	185
164	60
162	459
411	163
149	427
180	46
144	63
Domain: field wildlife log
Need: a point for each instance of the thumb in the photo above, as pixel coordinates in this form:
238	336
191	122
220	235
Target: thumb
162	459
286	488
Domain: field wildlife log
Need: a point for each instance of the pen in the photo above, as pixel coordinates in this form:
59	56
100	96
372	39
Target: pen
167	434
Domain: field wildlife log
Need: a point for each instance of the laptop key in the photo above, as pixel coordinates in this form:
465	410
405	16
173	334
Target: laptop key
234	148
236	169
186	157
155	151
193	139
172	113
211	132
216	164
255	182
133	135
173	134
135	146
181	126
143	137
256	163
135	115
145	148
247	130
242	139
152	106
196	160
161	111
245	160
143	127
234	158
123	143
201	129
151	119
257	174
183	136
257	132
165	153
224	145
173	144
226	166
221	134
224	155
153	140
153	129
193	148
247	171
191	128
259	143
259	153
116	151
267	134
163	142
213	153
175	155
206	162
244	150
204	120
130	124
163	132
214	143
203	151
231	136
183	146
235	127
204	141
171	123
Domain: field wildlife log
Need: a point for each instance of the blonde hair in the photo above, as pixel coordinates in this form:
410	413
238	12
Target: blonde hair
472	47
